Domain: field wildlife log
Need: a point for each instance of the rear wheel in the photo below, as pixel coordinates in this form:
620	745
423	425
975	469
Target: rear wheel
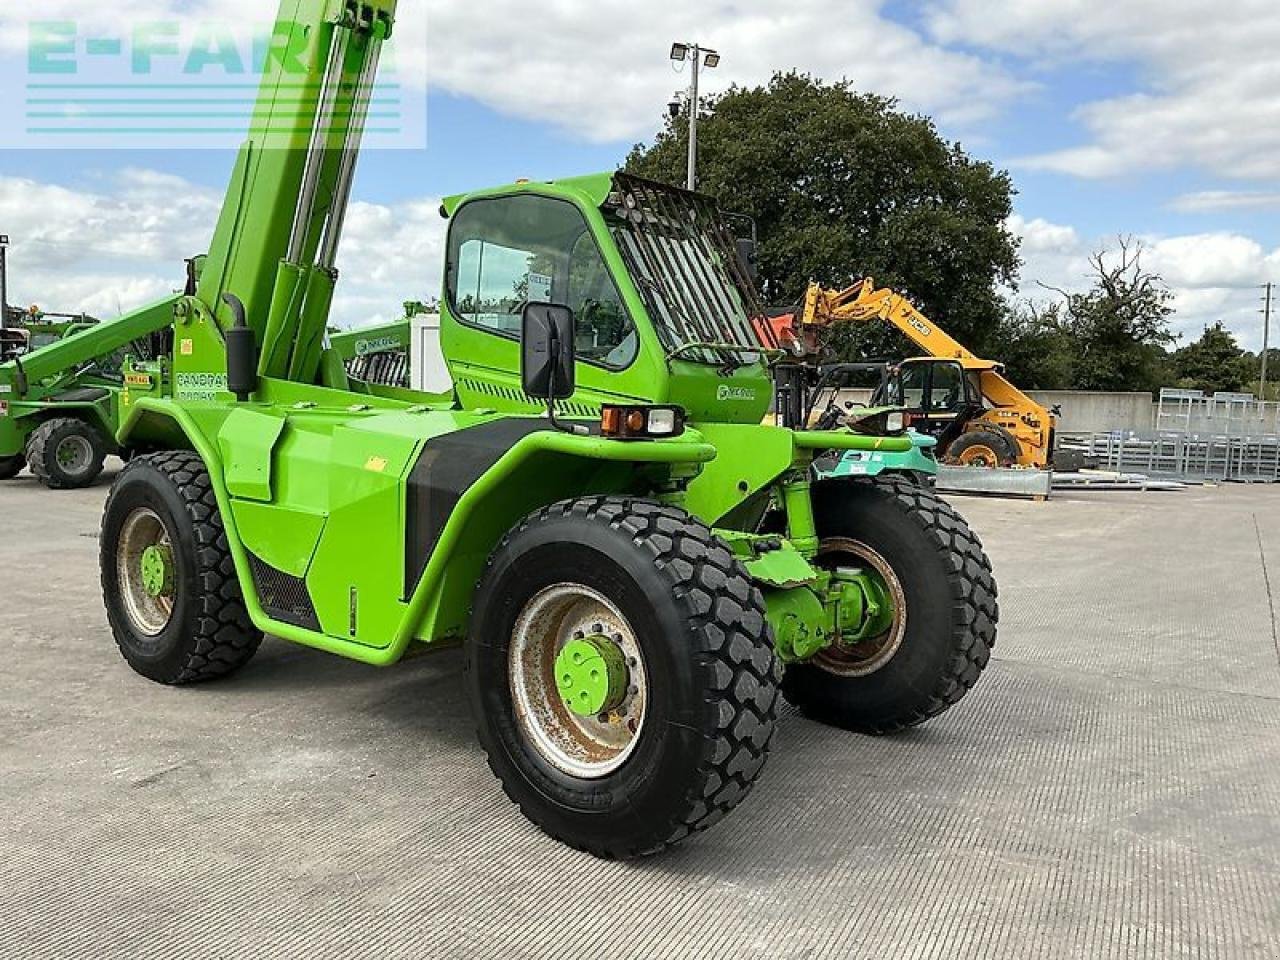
622	674
66	453
168	579
10	467
936	583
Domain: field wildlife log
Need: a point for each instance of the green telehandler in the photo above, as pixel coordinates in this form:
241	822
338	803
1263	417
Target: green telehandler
636	567
61	401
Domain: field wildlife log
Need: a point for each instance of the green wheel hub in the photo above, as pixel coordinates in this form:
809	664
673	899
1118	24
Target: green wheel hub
157	570
876	601
591	675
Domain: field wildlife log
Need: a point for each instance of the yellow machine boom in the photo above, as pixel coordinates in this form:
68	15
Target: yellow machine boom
1005	406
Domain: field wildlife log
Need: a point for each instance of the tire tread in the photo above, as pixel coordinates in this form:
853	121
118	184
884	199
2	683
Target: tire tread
726	611
975	607
224	637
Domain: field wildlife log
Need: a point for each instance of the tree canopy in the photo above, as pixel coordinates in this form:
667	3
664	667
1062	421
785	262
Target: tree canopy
1214	362
844	185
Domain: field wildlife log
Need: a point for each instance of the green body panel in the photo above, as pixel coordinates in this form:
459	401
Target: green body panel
873	463
282	537
348	472
248	439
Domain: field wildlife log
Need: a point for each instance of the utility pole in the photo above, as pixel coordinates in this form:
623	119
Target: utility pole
4	283
1266	338
702	57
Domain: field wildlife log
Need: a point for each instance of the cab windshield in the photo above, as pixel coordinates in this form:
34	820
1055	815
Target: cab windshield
685	262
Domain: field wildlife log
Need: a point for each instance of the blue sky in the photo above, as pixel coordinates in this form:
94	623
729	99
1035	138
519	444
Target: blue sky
1142	118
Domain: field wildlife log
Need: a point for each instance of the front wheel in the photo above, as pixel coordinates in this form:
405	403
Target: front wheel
168	578
937	587
621	674
983	447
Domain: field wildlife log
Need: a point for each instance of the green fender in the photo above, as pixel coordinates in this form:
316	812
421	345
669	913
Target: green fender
25	415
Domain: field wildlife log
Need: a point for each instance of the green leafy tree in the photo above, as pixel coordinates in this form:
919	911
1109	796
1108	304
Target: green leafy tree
1036	347
1214	362
1119	329
844	185
1253	365
421	308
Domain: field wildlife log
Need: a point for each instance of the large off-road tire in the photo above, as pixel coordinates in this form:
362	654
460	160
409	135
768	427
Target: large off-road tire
986	446
66	453
701	690
168	579
945	608
10	467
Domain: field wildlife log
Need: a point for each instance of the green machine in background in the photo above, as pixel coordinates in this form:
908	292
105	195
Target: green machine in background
61	402
827	406
636	567
377	354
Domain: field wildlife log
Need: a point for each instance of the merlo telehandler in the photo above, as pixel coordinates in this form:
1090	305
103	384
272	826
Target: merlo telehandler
61	400
636	567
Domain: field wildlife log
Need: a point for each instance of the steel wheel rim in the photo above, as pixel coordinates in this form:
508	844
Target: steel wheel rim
979	456
869	656
74	454
584	747
142	529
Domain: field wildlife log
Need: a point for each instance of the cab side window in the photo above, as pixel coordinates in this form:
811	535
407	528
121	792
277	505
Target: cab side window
510	251
911	384
947	390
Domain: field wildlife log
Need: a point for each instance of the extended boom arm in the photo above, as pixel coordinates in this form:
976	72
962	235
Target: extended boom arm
276	243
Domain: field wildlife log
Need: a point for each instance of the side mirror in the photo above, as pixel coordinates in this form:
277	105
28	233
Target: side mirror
546	351
750	259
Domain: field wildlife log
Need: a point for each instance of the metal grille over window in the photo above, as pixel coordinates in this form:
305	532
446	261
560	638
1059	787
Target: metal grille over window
685	262
389	368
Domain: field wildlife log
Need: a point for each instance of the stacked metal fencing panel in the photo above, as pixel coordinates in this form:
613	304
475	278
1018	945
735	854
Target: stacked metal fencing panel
1223	436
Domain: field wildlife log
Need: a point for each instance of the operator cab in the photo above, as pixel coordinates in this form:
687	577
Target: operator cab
939	395
841	389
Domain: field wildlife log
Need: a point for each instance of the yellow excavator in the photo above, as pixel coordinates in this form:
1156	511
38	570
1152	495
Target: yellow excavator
978	417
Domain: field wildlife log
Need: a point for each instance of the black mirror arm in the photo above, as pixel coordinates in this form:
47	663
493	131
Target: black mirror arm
574	428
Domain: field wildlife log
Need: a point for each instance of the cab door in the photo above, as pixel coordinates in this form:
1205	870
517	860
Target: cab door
937	394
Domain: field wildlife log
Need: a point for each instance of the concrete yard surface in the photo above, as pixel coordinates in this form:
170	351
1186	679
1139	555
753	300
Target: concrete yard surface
1110	789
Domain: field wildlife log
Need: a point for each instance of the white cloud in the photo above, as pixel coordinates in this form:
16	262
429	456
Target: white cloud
1217	201
1213	276
115	249
600	68
1208	70
554	71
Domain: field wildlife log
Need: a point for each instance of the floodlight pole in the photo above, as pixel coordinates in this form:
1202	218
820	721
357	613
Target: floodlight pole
693	119
701	57
4	283
1266	339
